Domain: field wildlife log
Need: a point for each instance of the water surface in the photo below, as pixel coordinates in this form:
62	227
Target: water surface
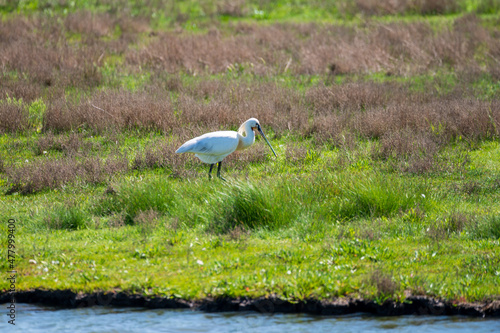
34	318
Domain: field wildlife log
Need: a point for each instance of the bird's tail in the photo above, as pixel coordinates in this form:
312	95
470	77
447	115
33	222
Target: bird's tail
182	149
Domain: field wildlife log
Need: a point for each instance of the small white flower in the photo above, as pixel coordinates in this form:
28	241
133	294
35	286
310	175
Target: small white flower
44	152
45	269
55	262
199	262
289	272
26	161
423	195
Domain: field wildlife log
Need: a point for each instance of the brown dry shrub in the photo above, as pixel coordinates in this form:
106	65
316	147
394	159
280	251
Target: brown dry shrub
250	49
346	50
51	174
87	23
257	153
462	117
426	7
393	7
160	156
48	174
147	220
436	232
374	7
230	104
39	48
70	145
13	117
409	151
93	26
346	140
455	223
356	96
406	144
458	221
116	220
325	128
105	110
60	116
130	110
56	61
213	114
471	188
238	233
395	48
47	142
170	82
231	8
95	171
367	109
20	89
357	109
193	53
206	89
384	283
445	118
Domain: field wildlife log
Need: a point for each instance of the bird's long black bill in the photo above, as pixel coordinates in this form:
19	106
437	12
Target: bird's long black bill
264	136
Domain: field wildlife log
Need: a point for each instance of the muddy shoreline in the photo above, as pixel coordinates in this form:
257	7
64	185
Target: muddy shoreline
413	305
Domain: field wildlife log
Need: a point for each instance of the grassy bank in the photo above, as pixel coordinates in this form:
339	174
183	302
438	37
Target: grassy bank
385	120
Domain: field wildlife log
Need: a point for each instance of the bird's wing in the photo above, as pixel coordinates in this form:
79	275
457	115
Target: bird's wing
215	143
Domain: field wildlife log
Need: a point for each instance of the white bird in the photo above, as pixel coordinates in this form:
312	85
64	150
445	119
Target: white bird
213	147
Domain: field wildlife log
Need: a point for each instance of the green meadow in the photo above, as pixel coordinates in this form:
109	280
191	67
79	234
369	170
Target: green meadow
385	118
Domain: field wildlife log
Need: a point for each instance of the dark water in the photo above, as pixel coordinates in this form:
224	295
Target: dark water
32	318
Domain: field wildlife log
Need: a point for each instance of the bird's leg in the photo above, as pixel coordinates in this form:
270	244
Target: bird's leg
210	171
218	171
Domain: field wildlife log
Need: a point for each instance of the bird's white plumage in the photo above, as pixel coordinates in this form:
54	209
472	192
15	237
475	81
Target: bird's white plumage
212	147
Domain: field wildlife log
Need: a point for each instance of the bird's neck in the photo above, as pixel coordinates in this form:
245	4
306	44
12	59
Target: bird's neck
246	140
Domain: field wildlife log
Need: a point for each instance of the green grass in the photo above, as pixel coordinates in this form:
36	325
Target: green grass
298	229
69	217
292	235
192	265
322	220
136	196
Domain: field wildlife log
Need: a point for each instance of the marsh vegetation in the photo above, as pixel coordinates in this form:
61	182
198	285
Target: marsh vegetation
385	117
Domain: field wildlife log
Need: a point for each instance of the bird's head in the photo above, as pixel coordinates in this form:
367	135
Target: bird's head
254	125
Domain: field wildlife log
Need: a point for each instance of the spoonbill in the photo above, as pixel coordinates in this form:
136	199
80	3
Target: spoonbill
213	147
